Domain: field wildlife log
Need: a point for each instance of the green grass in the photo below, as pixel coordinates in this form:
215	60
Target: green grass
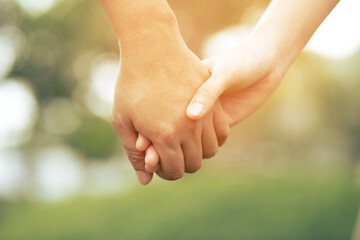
211	206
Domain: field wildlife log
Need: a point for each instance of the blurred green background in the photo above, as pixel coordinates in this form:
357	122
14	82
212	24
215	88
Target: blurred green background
290	171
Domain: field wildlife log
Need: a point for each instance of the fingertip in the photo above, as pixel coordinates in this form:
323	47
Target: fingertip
152	159
195	111
142	143
144	177
138	145
193	117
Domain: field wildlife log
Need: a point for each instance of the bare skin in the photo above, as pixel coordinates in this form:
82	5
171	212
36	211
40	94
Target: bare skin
157	79
244	78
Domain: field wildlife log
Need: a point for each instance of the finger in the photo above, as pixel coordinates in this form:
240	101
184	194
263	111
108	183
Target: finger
208	139
192	151
128	136
249	100
205	97
209	62
171	161
144	177
142	143
221	124
152	160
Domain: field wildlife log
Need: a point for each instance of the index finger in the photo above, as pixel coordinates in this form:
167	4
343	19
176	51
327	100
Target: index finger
128	136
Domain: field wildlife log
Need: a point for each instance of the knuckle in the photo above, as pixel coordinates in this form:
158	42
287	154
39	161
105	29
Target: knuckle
222	141
223	135
194	168
226	132
168	135
207	93
115	120
211	152
136	159
168	138
193	127
175	175
273	81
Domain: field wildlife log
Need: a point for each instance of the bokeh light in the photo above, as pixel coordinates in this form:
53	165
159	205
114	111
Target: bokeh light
36	7
100	96
19	112
8	54
60	116
12	174
58	173
107	178
11	43
65	175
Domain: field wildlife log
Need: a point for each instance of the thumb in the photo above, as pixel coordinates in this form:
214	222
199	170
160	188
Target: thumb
205	97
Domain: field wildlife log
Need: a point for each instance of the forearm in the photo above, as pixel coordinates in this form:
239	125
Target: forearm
143	27
287	26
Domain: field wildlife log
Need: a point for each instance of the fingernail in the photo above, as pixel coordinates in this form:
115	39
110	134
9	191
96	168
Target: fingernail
143	177
195	109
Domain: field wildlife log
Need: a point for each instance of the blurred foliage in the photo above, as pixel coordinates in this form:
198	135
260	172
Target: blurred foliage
56	57
100	139
52	43
61	45
237	205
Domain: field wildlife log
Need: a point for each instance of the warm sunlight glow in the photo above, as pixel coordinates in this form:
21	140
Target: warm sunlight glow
225	40
339	35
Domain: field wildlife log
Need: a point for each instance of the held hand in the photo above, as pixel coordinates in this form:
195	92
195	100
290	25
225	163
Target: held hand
241	79
222	129
151	97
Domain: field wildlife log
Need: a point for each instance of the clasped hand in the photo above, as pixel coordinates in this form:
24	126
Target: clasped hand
172	110
151	97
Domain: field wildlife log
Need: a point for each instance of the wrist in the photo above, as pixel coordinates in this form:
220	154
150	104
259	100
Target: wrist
131	18
147	25
273	50
150	30
150	40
